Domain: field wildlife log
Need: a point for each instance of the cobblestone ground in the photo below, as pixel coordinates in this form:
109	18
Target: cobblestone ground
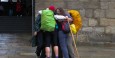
16	46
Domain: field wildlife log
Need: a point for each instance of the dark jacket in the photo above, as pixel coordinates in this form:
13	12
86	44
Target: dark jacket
37	23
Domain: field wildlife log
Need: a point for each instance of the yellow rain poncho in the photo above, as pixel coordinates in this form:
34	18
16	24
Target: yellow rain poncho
77	22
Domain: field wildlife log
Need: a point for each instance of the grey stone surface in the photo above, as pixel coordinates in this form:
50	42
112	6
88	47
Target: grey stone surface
112	0
110	30
93	22
99	29
110	13
111	5
98	37
87	29
89	13
58	4
75	5
104	22
95	0
98	13
104	5
107	22
82	12
83	38
105	0
91	4
84	0
113	38
85	21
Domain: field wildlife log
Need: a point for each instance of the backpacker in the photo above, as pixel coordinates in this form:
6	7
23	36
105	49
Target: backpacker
76	19
47	20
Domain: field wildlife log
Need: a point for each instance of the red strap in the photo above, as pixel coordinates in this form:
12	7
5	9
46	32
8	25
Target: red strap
63	25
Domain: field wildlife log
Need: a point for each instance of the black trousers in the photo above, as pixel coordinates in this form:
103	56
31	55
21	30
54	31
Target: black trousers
40	50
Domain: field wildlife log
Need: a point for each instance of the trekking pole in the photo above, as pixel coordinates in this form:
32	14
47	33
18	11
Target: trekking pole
73	40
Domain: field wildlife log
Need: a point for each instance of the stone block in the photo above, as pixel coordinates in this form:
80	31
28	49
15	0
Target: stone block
110	30
91	4
110	13
89	13
98	13
67	0
94	30
39	6
48	0
104	22
104	5
83	38
44	4
82	12
99	29
92	22
84	0
99	37
112	0
85	21
57	4
74	5
113	38
112	22
105	0
87	29
95	0
107	22
60	4
111	5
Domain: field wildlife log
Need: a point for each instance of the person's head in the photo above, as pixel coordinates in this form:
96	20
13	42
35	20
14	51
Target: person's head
60	11
52	8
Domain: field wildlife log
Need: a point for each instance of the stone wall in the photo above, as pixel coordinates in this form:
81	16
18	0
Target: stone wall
98	18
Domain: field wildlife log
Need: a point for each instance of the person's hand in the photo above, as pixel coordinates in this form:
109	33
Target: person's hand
68	19
35	33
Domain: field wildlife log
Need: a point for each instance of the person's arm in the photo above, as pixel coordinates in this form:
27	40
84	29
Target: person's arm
59	17
37	24
68	17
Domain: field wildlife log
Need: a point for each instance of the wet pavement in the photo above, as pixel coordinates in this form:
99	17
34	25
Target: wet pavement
17	46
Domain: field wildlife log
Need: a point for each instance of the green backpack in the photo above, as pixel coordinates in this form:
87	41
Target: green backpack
47	20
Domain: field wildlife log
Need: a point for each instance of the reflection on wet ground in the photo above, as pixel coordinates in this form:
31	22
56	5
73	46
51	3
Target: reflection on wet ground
17	46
